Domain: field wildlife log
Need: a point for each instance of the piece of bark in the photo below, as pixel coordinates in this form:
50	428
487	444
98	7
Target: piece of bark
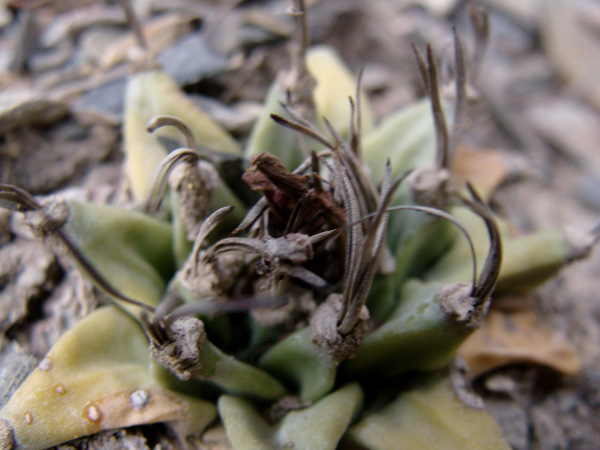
28	272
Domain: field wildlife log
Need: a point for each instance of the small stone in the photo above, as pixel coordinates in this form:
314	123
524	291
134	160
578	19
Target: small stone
28	418
139	399
500	383
59	389
45	364
21	109
186	70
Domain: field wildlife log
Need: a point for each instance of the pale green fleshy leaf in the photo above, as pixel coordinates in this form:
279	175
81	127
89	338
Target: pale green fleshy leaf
429	416
238	377
269	136
131	250
419	335
407	138
318	427
335	84
527	261
300	362
430	238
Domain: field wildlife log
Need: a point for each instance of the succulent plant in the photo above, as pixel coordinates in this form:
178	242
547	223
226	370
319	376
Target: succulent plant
355	266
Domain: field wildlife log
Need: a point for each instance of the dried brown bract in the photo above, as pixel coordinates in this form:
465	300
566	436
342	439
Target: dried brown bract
180	347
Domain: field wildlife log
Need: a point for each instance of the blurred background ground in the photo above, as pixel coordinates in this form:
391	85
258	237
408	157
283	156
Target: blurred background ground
536	102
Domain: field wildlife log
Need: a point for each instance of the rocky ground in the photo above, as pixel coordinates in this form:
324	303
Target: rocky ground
535	104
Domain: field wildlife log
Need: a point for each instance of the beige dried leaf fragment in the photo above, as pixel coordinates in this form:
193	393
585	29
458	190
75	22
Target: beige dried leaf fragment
485	169
517	337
